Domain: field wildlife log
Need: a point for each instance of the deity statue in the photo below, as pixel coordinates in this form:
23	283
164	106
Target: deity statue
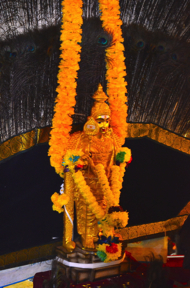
98	146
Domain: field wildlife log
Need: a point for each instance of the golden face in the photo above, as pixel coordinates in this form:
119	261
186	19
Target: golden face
103	123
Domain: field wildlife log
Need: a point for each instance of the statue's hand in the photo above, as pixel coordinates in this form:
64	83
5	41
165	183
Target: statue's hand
84	159
91	165
88	162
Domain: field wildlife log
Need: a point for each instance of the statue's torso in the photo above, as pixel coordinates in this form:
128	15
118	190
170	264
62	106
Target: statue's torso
101	150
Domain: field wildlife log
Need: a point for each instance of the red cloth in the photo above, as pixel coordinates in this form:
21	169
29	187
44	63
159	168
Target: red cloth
176	272
40	277
174	262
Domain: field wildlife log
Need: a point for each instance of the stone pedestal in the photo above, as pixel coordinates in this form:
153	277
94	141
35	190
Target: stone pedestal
81	265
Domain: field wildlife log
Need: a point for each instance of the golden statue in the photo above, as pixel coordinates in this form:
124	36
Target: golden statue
94	161
98	145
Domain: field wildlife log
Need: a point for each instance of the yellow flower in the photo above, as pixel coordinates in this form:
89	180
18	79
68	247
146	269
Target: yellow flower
59	201
57	208
54	197
118	219
107	229
63	199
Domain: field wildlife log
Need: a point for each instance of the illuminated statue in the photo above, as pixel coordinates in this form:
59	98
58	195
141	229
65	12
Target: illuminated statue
98	145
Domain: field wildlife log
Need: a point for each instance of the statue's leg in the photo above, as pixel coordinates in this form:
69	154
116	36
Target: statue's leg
68	215
87	225
91	230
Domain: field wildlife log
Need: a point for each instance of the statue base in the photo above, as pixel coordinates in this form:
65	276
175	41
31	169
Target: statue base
82	265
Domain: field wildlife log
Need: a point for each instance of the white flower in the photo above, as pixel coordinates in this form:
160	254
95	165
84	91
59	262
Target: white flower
61	189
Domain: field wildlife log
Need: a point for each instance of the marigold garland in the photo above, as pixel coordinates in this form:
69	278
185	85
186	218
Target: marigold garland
122	172
116	182
87	194
115	61
103	180
69	65
123	156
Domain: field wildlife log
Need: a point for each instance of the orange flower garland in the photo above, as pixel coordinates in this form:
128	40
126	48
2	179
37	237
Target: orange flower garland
103	180
85	191
116	88
116	183
68	67
122	172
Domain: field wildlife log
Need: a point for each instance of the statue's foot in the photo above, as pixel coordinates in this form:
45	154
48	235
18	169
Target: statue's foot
88	243
69	246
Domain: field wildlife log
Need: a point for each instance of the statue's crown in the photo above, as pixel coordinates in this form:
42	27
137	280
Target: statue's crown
100	107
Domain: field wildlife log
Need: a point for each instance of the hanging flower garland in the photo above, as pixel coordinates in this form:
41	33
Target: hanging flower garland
69	65
123	158
122	172
116	183
115	61
87	195
103	180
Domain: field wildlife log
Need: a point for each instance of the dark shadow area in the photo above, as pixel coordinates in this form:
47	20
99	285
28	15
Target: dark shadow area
156	183
26	185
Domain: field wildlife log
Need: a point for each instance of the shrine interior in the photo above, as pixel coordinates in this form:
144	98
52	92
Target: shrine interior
156	183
